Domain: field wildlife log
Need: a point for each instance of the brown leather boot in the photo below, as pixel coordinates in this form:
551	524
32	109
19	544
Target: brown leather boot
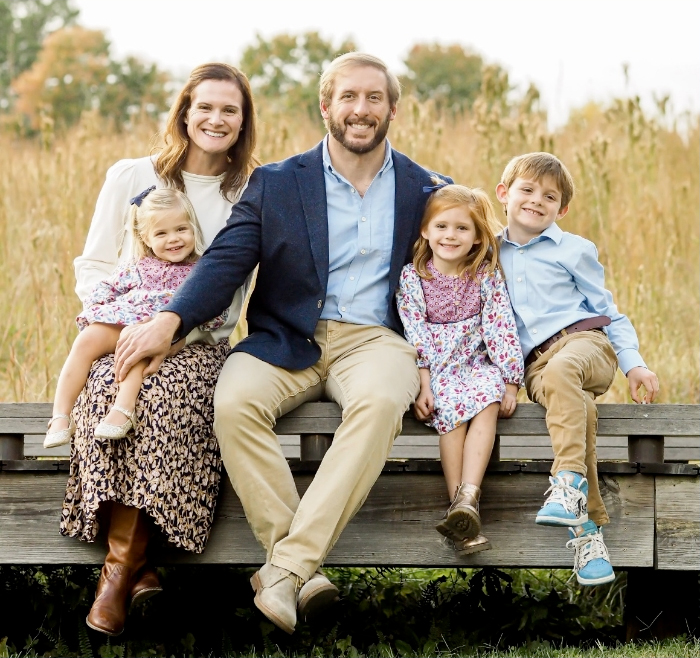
462	520
146	586
128	535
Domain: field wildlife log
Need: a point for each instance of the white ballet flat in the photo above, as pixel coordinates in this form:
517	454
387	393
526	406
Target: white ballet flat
107	431
60	438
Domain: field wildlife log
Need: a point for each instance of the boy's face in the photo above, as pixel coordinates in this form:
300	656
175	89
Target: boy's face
532	206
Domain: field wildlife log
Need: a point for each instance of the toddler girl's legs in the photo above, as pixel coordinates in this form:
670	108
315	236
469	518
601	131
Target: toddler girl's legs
452	457
127	393
91	343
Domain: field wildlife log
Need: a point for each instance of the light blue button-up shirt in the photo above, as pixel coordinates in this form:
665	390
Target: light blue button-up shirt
360	237
555	280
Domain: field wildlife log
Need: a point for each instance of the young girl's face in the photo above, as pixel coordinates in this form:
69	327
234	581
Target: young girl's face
170	235
451	235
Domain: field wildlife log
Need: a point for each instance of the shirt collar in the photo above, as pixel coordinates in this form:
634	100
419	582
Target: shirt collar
553	232
328	165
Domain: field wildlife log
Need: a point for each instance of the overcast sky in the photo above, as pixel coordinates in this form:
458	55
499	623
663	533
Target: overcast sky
573	50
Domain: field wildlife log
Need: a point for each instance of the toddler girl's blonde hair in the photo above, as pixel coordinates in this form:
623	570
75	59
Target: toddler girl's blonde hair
146	207
481	211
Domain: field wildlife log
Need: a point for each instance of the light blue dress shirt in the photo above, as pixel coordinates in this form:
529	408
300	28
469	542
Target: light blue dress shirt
360	237
555	280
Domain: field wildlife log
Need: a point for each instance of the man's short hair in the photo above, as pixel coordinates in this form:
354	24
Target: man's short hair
536	166
349	60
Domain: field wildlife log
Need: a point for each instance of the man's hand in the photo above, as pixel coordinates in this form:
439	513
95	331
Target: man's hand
424	405
638	377
509	402
140	341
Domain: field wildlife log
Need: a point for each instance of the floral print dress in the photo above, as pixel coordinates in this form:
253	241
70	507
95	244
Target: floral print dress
137	290
465	334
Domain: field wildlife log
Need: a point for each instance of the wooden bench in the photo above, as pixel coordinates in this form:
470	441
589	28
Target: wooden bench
649	458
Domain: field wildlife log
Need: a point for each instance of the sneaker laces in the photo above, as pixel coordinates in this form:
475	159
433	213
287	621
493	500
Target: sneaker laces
588	547
564	494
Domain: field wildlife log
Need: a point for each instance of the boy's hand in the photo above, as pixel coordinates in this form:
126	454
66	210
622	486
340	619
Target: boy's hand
638	377
424	405
509	402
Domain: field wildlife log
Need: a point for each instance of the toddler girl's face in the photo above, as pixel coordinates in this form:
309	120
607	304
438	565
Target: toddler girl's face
171	236
451	235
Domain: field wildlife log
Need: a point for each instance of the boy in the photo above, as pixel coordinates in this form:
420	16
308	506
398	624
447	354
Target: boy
573	338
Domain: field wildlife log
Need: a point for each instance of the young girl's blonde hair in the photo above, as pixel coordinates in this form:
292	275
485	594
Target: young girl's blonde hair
145	208
482	214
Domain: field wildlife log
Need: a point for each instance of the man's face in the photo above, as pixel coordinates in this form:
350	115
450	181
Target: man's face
359	112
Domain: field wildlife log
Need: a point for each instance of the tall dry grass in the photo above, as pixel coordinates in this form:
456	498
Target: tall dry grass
637	199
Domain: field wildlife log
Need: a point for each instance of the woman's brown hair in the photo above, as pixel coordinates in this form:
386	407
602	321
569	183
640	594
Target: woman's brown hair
241	160
482	214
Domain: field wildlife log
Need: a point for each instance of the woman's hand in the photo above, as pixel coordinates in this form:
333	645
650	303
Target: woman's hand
174	349
424	405
509	401
140	341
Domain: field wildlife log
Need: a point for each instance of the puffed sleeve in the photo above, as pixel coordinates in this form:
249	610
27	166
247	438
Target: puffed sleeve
106	235
499	331
125	278
412	311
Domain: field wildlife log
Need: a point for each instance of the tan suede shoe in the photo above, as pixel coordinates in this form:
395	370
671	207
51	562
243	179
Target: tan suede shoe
276	595
315	594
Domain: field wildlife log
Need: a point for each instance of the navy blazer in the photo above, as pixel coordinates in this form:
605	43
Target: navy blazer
281	224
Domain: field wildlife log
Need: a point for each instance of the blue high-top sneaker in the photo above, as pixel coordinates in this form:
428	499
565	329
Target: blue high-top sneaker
591	561
567	504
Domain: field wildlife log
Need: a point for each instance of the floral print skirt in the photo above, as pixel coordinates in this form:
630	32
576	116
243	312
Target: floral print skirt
169	466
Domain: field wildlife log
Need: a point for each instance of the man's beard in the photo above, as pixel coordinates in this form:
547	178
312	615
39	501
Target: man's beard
338	131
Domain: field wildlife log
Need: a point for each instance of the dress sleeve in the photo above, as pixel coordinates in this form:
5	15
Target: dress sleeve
499	330
107	228
412	311
125	278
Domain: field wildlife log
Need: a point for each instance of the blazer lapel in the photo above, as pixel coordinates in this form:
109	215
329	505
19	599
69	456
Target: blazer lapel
312	191
405	205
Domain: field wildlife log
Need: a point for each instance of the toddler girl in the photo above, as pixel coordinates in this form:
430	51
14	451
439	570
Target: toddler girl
167	241
455	309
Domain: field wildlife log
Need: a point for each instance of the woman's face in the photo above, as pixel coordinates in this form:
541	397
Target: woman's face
215	117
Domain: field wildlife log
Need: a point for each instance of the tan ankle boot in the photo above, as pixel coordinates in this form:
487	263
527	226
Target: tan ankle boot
462	520
127	538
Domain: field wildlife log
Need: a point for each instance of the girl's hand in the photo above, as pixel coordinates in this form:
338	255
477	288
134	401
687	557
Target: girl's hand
424	405
509	402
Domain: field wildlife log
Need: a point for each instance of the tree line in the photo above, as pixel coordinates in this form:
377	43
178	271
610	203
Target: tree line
52	70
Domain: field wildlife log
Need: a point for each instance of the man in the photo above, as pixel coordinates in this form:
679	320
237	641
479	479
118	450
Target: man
329	230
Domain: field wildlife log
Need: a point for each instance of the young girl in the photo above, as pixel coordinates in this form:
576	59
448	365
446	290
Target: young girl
455	309
167	241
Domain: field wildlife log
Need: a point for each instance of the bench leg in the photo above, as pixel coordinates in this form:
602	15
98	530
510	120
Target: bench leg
11	446
313	447
661	604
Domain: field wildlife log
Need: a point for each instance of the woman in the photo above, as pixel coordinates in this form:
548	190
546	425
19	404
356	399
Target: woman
167	473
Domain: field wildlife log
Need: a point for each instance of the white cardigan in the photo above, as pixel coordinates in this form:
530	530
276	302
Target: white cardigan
107	233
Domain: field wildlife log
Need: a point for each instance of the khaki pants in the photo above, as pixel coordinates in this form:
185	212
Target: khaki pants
371	373
565	380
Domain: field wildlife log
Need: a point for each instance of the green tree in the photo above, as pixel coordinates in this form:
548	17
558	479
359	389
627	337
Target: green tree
450	75
74	73
286	69
24	24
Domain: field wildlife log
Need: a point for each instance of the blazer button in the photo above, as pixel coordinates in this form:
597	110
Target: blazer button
320	303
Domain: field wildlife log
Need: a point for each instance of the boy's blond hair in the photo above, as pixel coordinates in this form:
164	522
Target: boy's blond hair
536	166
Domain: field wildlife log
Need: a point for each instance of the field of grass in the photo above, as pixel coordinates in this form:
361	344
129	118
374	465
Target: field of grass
637	199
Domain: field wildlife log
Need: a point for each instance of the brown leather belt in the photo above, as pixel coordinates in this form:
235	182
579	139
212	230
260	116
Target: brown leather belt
587	324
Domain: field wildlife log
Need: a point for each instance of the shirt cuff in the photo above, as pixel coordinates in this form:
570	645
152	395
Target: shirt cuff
629	359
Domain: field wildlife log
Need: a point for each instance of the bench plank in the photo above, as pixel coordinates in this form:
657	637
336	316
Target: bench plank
395	527
678	523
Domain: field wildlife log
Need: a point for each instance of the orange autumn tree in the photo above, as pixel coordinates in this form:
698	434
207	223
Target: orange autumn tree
74	73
